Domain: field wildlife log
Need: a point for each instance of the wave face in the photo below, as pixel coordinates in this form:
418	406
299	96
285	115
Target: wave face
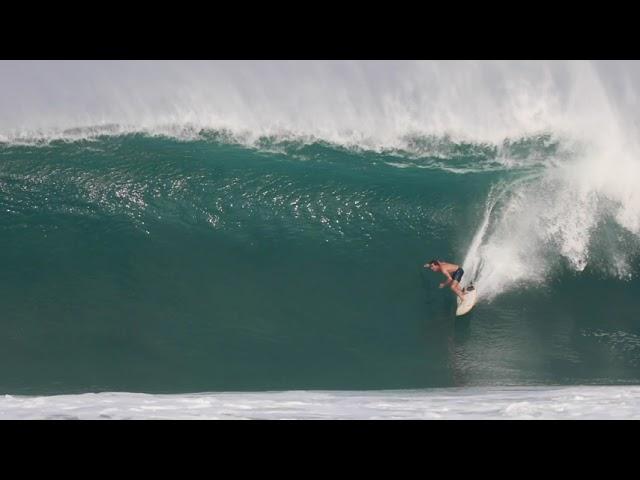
199	226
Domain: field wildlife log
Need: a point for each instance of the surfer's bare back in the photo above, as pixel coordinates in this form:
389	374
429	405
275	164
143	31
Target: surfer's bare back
453	273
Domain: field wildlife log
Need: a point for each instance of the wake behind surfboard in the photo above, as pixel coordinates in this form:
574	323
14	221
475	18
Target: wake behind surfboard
464	306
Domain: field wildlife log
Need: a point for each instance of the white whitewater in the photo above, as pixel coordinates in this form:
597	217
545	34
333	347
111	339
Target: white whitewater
575	402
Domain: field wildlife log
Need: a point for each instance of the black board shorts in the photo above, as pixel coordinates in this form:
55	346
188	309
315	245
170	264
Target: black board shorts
457	275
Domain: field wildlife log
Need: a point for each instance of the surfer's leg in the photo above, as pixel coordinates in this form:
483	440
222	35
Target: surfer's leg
455	286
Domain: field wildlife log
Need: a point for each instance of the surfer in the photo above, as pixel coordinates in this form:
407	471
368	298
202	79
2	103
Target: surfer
453	273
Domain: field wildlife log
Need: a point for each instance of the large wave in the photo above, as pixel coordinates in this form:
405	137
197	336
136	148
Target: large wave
579	209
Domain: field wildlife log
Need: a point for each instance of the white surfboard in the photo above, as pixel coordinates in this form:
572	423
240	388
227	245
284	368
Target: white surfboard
470	297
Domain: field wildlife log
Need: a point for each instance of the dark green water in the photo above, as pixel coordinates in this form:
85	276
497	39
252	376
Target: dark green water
146	264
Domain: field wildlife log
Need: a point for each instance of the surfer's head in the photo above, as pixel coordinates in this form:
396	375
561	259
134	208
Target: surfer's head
434	265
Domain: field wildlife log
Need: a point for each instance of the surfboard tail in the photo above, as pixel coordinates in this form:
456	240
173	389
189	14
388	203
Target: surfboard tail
464	306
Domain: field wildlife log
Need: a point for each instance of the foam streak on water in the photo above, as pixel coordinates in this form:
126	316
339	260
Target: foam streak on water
582	402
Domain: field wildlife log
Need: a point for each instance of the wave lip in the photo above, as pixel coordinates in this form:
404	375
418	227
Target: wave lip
575	402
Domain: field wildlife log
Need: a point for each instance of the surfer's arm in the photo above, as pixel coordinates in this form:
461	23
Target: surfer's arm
447	281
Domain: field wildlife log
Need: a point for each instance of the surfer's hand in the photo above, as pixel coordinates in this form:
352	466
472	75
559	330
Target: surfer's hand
442	285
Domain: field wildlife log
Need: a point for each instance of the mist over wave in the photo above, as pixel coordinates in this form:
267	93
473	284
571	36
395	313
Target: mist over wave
369	103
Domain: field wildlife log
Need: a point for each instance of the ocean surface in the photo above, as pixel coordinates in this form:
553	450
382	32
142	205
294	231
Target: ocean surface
212	233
